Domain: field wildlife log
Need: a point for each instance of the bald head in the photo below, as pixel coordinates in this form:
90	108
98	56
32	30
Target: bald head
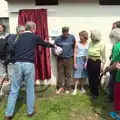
30	26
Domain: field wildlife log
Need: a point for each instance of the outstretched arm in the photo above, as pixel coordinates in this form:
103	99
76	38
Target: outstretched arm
44	43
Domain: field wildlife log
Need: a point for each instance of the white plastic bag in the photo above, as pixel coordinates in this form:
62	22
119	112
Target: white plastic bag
58	50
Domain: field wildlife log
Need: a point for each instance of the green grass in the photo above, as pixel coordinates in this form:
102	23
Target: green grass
62	107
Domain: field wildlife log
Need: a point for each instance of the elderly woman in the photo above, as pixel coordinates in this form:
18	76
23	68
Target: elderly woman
96	61
115	39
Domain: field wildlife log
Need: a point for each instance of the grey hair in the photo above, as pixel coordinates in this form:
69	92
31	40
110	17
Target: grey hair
20	28
115	35
29	25
96	35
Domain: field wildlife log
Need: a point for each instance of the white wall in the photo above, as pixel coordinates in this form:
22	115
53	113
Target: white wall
76	14
3	8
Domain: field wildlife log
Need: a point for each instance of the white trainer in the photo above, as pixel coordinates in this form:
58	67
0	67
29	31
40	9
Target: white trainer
67	92
74	92
82	90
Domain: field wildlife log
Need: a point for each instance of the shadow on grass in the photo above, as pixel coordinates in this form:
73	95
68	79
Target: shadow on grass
42	91
101	107
64	107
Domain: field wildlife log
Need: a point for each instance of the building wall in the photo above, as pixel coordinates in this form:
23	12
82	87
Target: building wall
3	8
76	14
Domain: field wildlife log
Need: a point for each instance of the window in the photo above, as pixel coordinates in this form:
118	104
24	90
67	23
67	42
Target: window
5	21
46	2
109	2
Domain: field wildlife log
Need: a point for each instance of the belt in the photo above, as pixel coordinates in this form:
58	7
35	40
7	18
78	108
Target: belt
65	58
94	58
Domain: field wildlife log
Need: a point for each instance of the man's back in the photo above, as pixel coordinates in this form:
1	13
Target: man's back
25	47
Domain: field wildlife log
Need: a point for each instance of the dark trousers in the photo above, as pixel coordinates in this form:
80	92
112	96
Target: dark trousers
93	68
112	84
65	68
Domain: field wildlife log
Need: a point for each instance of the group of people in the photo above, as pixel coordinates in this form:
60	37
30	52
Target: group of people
20	53
87	60
75	59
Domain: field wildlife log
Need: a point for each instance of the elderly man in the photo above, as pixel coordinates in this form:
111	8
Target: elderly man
9	62
65	60
115	39
24	68
11	41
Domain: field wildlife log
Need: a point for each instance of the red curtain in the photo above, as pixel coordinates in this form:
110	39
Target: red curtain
42	58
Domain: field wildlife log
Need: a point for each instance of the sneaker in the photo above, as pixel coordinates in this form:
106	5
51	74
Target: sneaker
31	115
74	92
114	115
82	90
94	97
8	118
67	92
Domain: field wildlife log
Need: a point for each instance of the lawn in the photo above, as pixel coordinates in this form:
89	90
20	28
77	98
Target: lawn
62	107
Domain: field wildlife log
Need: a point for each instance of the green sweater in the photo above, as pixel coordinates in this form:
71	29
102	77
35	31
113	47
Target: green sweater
116	58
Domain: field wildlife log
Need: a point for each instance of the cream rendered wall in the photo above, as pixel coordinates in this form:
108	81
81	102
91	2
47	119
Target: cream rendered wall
76	14
3	8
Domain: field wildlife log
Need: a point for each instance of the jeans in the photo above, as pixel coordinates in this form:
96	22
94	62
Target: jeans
26	71
112	84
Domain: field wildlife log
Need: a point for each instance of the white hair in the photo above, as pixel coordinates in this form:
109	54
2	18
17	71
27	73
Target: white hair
29	25
115	35
96	35
20	28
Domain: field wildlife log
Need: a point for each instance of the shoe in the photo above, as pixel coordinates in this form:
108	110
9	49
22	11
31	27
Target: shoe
114	115
8	118
94	97
82	90
31	115
110	101
74	92
67	92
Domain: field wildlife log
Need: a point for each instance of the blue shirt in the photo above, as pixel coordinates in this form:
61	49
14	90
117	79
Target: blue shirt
67	44
82	50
